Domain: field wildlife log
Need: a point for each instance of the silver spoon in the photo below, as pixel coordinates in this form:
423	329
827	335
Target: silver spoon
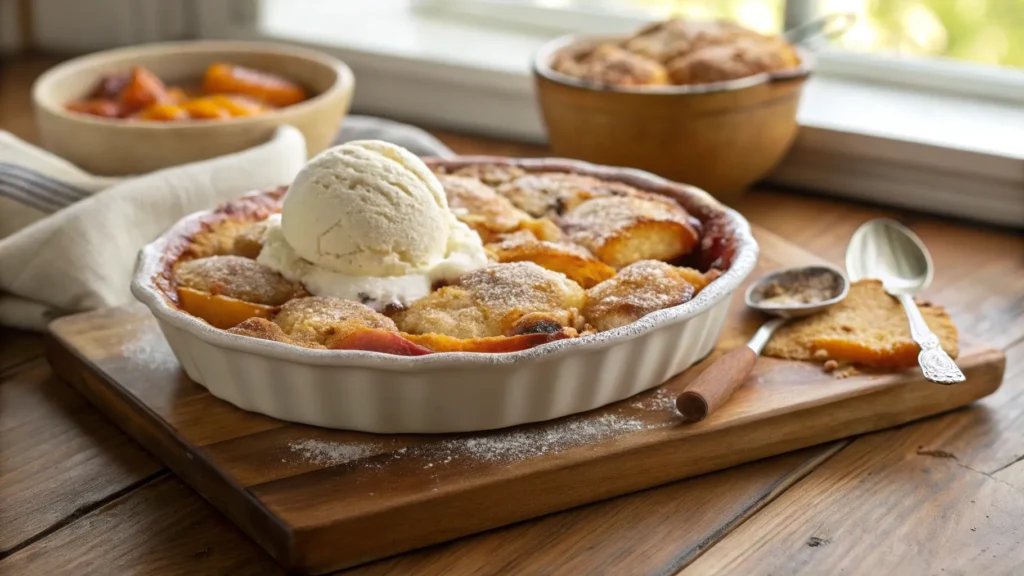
887	250
715	385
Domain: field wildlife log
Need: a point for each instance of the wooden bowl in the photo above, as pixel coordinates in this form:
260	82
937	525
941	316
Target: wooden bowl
720	137
122	146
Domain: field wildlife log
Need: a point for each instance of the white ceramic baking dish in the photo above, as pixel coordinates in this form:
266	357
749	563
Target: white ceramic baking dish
455	392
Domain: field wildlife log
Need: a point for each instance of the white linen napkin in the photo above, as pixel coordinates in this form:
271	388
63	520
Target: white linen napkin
82	256
68	239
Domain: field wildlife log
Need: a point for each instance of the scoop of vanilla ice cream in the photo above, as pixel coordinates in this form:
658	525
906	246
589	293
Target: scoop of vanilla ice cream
368	221
368	208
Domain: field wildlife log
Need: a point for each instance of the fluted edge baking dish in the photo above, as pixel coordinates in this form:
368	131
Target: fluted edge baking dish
459	391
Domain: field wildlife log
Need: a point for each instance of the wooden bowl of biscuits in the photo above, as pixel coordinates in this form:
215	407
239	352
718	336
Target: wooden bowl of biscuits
711	103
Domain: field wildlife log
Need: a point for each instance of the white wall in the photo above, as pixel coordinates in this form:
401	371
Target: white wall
10	40
77	26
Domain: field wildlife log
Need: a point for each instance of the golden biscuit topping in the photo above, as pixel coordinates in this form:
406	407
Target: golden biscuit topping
318	317
552	233
610	64
596	221
663	41
677	52
481	207
637	290
490	174
745	57
236	277
492	301
551	194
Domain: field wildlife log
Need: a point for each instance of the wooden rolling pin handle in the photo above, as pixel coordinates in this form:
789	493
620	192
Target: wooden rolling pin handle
715	385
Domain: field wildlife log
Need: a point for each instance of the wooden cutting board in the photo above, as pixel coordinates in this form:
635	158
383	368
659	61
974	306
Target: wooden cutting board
319	499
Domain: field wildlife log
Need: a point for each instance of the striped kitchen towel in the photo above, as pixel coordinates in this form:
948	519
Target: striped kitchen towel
69	240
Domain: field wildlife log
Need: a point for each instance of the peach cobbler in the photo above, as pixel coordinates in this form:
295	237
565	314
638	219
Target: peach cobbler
371	249
677	52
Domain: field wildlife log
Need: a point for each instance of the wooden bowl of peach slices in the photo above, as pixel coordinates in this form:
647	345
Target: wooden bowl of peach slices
142	108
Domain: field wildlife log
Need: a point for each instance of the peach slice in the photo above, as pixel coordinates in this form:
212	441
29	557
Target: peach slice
375	340
442	343
270	88
220	311
143	89
163	113
103	108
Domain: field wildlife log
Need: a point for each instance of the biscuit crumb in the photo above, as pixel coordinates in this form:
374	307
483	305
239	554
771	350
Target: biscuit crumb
845	372
831	365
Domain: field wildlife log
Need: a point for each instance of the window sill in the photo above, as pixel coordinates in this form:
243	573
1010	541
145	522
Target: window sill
953	154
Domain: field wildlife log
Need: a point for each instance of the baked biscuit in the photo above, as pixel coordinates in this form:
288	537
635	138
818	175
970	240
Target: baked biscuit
225	290
490	174
481	208
624	230
500	300
745	57
326	320
551	194
636	291
663	41
609	64
266	330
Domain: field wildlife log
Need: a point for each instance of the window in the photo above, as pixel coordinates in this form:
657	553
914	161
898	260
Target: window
899	113
978	31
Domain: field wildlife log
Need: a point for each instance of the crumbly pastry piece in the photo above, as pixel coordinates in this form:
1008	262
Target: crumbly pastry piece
267	330
551	194
218	234
868	328
236	277
500	300
481	207
663	41
745	57
609	64
324	320
624	230
637	290
350	335
575	261
249	240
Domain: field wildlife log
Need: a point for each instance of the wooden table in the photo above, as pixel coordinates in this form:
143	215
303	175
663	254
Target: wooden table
941	496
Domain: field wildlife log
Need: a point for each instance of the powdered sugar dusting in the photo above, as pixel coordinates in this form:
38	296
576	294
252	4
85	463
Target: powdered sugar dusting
327	453
150	350
661	401
521	444
597	221
503	446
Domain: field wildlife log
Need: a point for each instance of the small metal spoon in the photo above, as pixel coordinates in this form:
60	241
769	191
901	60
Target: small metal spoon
716	384
887	250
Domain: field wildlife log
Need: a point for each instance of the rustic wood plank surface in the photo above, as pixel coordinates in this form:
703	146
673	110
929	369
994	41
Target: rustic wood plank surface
979	278
162	527
58	456
18	347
